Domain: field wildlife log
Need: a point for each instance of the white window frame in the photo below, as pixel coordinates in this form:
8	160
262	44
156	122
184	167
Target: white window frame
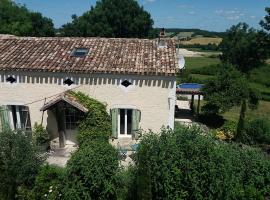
119	124
18	117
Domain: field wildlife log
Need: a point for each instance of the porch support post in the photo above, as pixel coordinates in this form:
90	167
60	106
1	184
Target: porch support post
60	115
198	107
192	104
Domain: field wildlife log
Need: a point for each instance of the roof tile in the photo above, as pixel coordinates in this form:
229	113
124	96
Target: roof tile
106	55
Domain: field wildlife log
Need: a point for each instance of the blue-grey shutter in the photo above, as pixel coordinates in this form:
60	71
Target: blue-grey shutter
4	118
114	114
136	117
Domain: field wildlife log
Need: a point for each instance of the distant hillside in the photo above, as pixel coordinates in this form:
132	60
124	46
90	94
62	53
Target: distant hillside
195	32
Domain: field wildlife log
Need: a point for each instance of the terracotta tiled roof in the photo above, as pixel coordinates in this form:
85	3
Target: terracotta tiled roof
66	98
106	55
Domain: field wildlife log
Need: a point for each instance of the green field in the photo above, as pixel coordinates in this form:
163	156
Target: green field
199	62
203	41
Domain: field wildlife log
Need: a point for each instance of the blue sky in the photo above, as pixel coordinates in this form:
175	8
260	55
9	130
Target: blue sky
216	15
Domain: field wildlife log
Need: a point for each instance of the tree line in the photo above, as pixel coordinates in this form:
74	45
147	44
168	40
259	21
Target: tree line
108	18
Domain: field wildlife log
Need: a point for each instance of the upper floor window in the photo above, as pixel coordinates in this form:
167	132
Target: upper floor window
68	82
11	79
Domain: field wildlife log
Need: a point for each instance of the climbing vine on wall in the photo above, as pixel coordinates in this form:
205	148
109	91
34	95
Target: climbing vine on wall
97	123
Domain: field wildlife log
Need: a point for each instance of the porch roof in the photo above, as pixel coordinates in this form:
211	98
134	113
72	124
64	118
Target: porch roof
66	98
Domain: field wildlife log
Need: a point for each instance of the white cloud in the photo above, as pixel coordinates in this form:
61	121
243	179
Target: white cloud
191	13
234	14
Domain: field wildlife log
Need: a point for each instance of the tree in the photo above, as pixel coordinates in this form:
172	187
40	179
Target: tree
91	172
244	47
19	162
187	163
18	20
111	18
228	89
266	22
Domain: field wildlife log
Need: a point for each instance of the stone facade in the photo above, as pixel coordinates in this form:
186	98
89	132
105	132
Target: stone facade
154	96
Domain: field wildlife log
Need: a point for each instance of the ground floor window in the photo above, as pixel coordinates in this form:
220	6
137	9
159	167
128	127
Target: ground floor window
16	117
125	116
72	117
125	122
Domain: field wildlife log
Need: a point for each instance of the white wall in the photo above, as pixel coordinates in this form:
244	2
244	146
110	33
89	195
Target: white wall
153	95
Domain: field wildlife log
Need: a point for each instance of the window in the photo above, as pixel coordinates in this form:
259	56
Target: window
68	82
125	122
80	52
72	116
16	117
125	116
126	83
11	79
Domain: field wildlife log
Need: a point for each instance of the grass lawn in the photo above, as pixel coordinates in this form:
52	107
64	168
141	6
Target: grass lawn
199	62
263	111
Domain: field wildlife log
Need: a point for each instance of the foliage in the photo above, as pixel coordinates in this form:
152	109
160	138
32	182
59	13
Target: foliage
197	32
227	89
186	164
97	123
19	162
127	184
41	135
258	131
266	22
48	184
244	47
18	20
91	172
111	18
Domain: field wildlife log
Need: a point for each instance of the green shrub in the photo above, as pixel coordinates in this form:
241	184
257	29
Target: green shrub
97	123
91	172
48	184
41	134
19	162
229	128
258	131
187	164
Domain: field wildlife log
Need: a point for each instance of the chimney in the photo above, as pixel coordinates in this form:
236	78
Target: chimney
162	33
161	39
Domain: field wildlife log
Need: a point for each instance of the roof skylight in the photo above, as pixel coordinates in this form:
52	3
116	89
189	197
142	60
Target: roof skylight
80	52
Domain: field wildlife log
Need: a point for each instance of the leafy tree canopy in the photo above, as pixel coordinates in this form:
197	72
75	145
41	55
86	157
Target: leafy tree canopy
111	18
19	162
18	20
188	164
266	22
227	89
244	47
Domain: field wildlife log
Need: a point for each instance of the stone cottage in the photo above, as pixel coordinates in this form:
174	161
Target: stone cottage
134	77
